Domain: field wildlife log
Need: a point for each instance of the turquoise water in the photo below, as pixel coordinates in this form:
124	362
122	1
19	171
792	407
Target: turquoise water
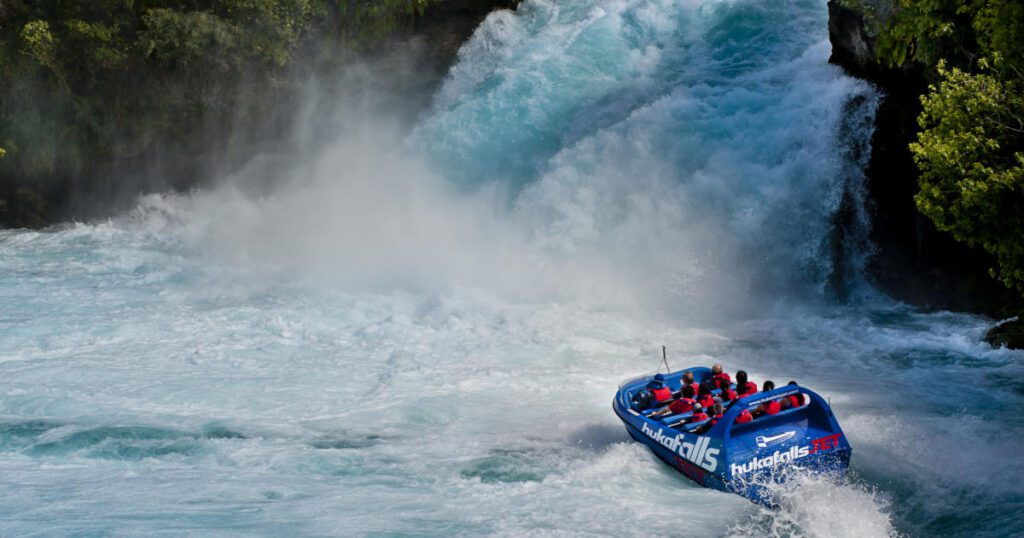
425	341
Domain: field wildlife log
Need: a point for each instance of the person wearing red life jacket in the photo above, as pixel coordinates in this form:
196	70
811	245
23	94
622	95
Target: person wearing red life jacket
655	393
704	397
727	395
795	400
720	378
684	404
698	414
744	417
659	389
768	408
688	381
716	413
744	387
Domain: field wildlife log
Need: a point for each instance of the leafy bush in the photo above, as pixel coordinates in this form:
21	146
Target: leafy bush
971	155
970	149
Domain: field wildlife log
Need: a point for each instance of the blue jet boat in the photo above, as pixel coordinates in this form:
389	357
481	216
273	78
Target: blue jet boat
740	458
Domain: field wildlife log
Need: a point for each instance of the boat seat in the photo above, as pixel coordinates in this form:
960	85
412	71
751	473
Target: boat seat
687	427
656	407
676	418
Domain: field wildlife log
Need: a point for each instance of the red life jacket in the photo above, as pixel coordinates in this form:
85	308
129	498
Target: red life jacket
744	417
696	388
728	395
697	417
715	419
772	407
722	380
796	399
663	394
751	389
706	401
680	406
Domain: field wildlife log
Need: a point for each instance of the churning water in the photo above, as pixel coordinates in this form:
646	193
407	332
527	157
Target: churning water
418	330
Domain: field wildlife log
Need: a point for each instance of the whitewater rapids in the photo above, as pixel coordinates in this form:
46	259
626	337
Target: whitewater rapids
426	340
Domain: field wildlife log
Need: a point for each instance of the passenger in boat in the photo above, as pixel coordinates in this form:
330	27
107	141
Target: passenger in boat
684	404
795	400
698	414
727	394
744	417
704	395
720	378
743	386
656	392
768	408
688	381
659	389
716	413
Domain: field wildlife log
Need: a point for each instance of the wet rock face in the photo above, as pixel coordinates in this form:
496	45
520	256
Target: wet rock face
1009	334
852	46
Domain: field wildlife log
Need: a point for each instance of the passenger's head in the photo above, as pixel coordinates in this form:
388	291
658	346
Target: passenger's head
716	369
718	409
741	378
791	383
688	392
688	378
706	388
697	408
768	385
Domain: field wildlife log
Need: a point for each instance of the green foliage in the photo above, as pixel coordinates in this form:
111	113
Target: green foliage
925	31
366	21
970	150
958	31
94	85
40	43
972	165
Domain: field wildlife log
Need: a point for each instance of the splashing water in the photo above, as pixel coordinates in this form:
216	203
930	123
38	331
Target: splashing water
417	330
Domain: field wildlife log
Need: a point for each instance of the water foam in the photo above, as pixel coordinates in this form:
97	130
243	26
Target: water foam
187	369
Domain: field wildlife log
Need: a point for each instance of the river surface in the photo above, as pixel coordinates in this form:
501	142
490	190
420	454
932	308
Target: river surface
417	329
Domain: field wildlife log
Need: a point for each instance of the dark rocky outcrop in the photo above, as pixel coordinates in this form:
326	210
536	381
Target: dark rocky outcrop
1009	333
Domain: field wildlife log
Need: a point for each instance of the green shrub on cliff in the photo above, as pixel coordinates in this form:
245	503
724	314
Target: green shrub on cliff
957	31
971	155
970	149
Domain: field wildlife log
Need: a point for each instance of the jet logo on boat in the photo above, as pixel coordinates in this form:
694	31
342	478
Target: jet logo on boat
696	452
765	441
778	457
